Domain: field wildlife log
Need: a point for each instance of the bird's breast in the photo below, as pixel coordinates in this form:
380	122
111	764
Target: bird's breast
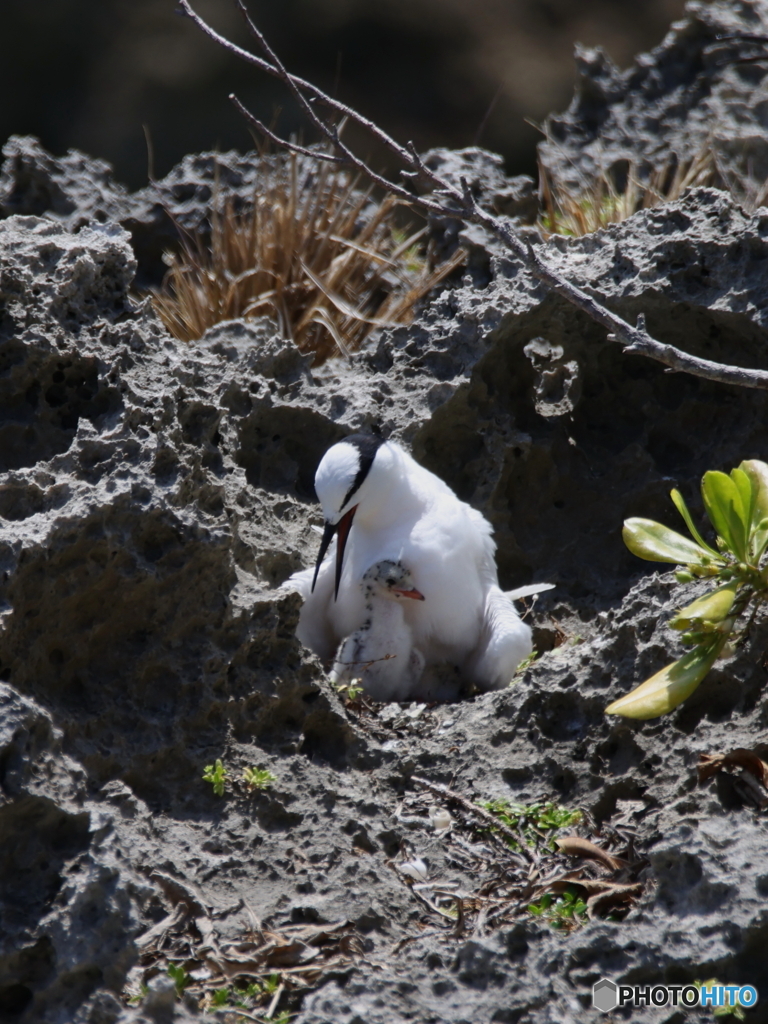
445	567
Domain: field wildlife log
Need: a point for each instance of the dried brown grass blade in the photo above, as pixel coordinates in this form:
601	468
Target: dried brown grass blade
340	304
575	846
314	251
155	935
711	764
322	317
617	895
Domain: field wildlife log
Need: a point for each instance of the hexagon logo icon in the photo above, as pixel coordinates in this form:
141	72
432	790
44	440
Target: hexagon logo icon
605	995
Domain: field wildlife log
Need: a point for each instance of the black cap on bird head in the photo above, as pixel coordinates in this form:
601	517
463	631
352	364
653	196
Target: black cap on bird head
339	476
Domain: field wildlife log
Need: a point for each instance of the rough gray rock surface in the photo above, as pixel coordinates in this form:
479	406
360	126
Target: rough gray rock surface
77	189
69	898
153	497
704	85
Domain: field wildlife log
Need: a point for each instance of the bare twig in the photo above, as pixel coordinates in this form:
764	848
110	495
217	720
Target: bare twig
316	154
275	1001
445	199
477	812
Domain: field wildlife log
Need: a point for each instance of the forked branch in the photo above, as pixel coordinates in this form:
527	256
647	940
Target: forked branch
443	198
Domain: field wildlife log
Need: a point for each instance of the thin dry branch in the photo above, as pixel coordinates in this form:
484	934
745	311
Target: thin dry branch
478	812
445	199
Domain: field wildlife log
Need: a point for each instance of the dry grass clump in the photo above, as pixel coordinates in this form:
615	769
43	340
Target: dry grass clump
313	251
565	211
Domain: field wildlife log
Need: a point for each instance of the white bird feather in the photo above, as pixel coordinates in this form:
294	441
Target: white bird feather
395	509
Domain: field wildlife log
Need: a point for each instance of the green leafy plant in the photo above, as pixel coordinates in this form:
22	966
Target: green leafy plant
737	507
531	819
563	912
524	665
258	778
220	997
722	1011
217	775
348	691
282	1018
180	977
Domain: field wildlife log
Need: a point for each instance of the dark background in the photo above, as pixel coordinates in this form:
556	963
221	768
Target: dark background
89	74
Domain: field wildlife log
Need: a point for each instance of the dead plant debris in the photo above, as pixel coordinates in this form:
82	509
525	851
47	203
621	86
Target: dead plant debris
253	974
751	773
516	862
518	866
313	251
602	200
518	872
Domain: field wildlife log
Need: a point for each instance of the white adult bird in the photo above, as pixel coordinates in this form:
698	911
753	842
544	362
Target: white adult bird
379	503
381	653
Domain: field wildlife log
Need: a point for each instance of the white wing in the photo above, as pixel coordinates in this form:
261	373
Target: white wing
529	591
504	642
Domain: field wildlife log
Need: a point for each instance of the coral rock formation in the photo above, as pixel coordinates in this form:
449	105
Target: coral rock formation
154	496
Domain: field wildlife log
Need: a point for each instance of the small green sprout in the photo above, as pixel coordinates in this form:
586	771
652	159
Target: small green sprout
139	996
531	819
408	250
242	997
220	997
348	691
563	912
722	1011
282	1018
271	984
524	665
553	816
258	778
180	978
217	775
737	507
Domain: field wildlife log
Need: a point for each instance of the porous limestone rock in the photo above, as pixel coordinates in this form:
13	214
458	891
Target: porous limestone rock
705	87
153	497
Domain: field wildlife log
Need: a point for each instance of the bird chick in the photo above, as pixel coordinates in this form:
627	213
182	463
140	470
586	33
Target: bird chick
381	653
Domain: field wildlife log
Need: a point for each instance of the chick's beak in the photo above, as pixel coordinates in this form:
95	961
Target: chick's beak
416	595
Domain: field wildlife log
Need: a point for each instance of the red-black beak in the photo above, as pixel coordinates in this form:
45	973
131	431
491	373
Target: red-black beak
341	528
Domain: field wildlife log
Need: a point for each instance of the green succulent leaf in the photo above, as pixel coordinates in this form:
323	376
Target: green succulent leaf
669	687
726	511
682	508
713	607
757	472
759	541
744	487
657	543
